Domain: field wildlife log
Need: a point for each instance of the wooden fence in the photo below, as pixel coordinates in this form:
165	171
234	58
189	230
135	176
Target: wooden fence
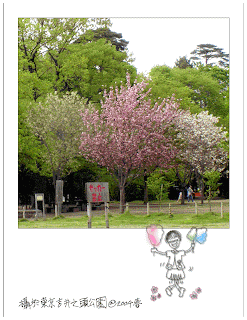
174	208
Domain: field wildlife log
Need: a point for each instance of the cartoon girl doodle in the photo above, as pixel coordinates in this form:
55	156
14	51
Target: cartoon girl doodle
175	267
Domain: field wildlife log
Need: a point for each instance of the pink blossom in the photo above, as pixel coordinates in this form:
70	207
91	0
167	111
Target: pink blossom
153	298
154	289
129	134
198	290
193	295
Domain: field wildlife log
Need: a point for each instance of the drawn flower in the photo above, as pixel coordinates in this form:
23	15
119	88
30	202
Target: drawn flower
153	297
154	289
198	290
158	295
193	295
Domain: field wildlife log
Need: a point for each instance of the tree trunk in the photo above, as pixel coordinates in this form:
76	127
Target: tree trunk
145	188
209	197
182	201
56	176
202	192
122	198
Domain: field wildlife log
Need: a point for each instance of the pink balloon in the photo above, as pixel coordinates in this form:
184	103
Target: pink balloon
153	235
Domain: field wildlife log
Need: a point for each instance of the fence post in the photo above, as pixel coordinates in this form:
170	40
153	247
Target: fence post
196	208
106	214
147	207
127	207
169	209
89	213
221	209
24	208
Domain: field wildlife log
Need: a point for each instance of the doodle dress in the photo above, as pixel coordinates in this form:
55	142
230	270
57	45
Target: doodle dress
175	265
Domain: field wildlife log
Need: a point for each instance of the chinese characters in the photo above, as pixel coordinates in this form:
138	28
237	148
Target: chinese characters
98	303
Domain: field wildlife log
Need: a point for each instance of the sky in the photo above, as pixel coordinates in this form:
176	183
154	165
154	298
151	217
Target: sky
159	41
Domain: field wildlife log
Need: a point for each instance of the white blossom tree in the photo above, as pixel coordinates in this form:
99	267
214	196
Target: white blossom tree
203	145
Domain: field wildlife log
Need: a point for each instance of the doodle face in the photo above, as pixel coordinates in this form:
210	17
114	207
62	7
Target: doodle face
174	242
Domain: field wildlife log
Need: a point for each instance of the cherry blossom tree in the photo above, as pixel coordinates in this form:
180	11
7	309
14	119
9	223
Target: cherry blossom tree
203	145
129	135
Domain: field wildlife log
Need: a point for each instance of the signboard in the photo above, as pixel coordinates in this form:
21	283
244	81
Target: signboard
59	191
39	197
97	192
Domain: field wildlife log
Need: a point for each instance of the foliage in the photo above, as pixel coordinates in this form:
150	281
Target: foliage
105	33
183	63
196	89
37	38
129	135
85	57
211	180
159	183
43	36
56	123
91	68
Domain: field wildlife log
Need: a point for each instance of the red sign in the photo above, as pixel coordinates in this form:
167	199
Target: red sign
97	191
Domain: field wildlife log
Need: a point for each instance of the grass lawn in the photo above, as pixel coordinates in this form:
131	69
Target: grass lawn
128	221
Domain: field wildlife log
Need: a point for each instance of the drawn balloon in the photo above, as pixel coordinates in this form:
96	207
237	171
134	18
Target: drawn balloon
192	235
197	235
201	235
155	234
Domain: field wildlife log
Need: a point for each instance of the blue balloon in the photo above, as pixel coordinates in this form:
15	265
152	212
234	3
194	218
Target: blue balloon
201	238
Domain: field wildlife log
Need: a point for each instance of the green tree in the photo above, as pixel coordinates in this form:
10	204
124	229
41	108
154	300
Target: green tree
159	183
30	88
196	89
40	36
183	63
208	52
56	123
50	61
92	68
211	180
105	33
36	77
221	75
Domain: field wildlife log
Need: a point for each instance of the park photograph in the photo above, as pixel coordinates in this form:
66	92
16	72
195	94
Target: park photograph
121	128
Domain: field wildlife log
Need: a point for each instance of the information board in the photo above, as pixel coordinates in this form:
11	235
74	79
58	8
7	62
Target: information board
39	197
97	192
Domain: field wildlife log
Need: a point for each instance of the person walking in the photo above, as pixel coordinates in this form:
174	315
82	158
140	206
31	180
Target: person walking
180	196
190	194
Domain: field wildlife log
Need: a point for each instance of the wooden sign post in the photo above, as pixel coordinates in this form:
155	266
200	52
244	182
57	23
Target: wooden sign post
39	197
59	197
97	192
